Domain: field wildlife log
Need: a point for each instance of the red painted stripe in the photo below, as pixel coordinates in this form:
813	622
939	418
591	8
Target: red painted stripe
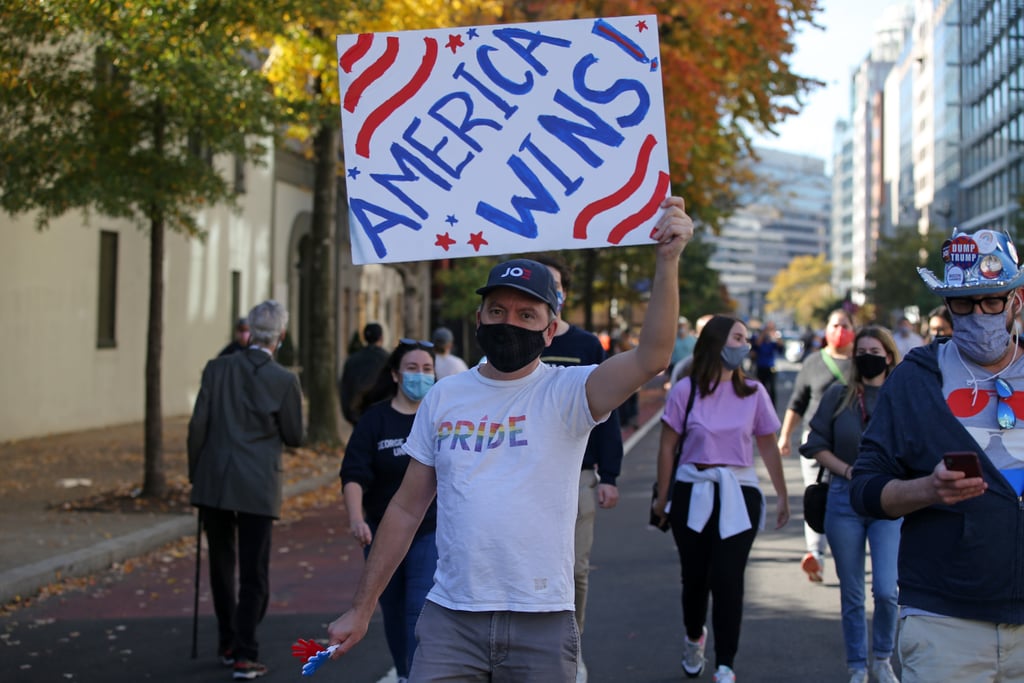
579	229
618	40
356	52
375	71
646	213
381	113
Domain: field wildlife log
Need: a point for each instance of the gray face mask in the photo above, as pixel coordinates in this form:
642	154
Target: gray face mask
732	356
981	338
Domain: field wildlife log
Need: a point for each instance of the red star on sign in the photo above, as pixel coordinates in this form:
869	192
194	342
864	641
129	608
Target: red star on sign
444	241
641	26
454	42
477	240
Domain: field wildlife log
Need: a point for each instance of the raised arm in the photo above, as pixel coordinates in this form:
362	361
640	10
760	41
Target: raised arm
618	377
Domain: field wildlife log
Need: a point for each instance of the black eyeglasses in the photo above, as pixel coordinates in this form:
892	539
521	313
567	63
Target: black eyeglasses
990	305
1004	411
422	343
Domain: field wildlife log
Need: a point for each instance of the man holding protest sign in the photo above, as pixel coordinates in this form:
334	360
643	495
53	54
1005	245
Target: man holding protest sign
501	446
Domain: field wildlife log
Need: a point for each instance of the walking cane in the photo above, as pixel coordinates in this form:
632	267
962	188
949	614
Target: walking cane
195	601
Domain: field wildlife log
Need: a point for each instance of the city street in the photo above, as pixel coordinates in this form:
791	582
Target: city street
137	625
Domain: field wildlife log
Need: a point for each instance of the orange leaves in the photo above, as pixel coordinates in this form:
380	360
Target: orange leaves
725	66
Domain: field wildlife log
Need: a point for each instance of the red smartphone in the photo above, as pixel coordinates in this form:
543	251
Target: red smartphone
963	461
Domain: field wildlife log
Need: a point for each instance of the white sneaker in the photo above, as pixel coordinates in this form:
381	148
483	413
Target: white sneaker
693	655
858	676
581	671
881	671
724	675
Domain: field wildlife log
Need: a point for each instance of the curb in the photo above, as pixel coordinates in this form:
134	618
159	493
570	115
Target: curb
26	581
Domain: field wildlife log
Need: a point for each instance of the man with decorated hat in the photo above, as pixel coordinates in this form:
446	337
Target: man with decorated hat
501	445
961	560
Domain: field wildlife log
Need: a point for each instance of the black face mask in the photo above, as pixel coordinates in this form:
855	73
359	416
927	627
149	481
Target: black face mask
869	365
509	348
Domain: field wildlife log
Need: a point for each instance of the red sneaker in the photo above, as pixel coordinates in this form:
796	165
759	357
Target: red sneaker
812	567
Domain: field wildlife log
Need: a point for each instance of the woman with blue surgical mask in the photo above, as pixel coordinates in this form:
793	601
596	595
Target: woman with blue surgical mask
708	486
371	473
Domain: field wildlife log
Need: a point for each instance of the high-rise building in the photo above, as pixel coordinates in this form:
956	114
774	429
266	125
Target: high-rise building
787	215
867	109
992	113
841	244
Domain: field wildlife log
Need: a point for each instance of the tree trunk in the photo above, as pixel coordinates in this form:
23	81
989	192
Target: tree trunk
322	376
154	483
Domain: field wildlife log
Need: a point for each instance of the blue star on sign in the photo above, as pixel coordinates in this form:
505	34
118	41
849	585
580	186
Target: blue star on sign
471	34
353	172
451	220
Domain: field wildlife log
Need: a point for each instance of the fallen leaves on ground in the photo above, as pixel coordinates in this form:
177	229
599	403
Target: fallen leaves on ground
300	463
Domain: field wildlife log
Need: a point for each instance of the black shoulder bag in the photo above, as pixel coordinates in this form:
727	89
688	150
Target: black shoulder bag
815	500
655	520
816	494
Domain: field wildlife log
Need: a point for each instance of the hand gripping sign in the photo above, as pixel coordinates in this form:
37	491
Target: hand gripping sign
502	139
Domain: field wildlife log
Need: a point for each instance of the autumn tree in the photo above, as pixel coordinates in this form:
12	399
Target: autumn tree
726	68
701	290
726	72
303	70
801	288
119	108
893	282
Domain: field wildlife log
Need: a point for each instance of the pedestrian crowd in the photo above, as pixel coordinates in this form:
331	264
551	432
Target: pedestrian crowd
474	490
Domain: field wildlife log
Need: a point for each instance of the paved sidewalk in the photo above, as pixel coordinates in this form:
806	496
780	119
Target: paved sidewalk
43	544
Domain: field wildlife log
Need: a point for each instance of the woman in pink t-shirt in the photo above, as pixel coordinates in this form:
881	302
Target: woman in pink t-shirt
716	414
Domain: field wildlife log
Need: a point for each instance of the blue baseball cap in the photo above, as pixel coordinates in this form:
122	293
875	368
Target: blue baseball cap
984	262
527	276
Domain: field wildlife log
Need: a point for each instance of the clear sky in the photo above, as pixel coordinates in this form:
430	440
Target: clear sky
829	55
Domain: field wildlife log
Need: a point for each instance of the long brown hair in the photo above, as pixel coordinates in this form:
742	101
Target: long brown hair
707	358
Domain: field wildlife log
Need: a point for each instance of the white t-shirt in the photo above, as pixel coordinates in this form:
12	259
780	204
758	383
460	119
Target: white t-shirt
445	365
977	410
507	455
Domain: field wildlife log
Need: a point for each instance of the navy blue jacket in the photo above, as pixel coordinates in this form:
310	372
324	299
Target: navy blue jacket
964	560
604	447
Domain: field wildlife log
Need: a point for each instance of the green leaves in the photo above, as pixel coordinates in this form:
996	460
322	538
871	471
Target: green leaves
99	100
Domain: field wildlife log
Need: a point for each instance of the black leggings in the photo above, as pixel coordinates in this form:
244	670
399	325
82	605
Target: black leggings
713	565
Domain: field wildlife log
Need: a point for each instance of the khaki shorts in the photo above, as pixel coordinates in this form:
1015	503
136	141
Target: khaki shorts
949	649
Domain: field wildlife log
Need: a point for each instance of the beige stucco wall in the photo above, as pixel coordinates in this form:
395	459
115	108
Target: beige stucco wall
55	379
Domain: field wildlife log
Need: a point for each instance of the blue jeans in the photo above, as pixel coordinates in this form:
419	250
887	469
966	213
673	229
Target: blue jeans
848	534
402	600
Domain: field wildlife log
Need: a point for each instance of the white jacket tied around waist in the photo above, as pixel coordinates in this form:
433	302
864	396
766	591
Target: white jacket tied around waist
732	518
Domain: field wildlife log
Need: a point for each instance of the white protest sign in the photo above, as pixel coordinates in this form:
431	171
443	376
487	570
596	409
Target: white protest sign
502	139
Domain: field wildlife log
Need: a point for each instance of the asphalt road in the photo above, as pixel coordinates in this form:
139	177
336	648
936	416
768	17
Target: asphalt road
136	625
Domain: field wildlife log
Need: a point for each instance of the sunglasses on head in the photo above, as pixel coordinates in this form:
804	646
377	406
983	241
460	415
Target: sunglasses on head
422	343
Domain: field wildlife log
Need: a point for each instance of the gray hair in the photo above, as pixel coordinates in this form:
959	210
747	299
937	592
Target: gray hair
267	321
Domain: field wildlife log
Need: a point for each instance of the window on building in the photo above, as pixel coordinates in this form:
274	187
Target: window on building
106	309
